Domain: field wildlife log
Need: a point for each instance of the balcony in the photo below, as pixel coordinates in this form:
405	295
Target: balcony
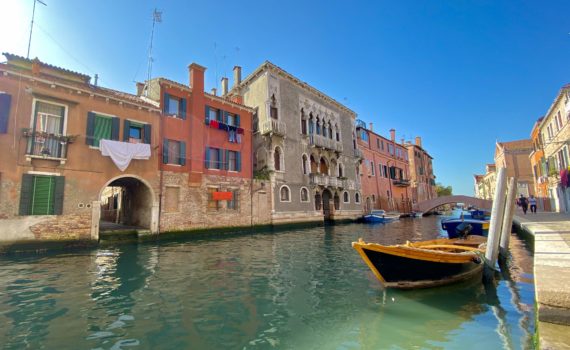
47	146
360	124
324	142
401	182
358	153
325	180
273	126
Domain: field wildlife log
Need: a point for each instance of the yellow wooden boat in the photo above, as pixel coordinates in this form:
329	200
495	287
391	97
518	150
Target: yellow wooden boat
424	264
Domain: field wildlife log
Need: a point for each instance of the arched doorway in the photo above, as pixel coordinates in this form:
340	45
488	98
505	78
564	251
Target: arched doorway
318	201
323	167
327	204
128	202
336	201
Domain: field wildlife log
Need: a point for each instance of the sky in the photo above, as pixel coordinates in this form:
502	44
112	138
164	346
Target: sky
460	74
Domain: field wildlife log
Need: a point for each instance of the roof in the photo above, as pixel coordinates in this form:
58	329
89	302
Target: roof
516	145
270	66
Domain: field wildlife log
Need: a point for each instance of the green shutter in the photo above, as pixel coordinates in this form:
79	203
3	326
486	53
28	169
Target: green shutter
165	151
90	129
207	158
220	116
166	102
103	128
238	161
183	108
227	160
26	193
126	130
59	191
43	197
237	120
115	129
207	115
146	133
182	153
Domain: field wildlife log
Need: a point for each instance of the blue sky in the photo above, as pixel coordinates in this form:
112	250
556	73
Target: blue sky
460	74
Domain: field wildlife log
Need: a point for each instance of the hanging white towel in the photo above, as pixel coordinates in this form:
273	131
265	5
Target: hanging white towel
123	152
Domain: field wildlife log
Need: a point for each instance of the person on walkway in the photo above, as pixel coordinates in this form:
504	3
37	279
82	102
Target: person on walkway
523	202
532	202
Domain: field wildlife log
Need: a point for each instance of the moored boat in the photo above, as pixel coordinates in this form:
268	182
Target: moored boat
423	264
416	214
380	216
455	226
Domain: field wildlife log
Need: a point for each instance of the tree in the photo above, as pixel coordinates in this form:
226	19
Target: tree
443	190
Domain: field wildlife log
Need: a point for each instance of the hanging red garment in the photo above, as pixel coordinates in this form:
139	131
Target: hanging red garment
214	124
240	131
564	178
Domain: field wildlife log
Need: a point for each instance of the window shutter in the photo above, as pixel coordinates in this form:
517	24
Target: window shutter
166	102
165	151
43	195
207	158
58	195
225	117
219	116
237	120
26	192
227	160
115	129
238	161
146	133
207	115
182	153
5	100
90	133
126	131
183	108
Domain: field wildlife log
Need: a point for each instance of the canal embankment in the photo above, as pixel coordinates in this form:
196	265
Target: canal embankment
551	232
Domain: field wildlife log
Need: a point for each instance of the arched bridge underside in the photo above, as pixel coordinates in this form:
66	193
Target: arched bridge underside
426	206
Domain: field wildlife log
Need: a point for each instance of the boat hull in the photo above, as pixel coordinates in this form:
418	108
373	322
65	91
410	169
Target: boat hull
409	266
479	227
379	219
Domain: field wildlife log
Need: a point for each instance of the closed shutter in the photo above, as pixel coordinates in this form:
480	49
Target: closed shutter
227	160
115	129
238	161
183	108
126	131
207	158
42	200
237	120
59	191
26	193
103	127
166	103
146	133
182	153
89	133
165	151
220	116
207	115
5	101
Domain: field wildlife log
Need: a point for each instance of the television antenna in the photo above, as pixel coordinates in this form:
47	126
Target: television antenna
156	18
32	25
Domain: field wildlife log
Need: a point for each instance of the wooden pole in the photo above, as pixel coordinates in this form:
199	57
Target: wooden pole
496	220
508	218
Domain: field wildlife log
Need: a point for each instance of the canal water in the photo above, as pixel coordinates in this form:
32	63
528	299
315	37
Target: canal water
295	289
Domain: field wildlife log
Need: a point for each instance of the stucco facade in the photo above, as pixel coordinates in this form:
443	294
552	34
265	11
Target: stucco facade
539	169
422	175
514	156
303	147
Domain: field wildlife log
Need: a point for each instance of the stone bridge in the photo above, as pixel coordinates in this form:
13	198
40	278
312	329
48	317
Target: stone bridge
431	204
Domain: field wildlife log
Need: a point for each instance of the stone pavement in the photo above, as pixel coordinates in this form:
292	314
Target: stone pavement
551	233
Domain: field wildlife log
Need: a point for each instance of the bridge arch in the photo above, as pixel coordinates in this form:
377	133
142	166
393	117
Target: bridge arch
431	204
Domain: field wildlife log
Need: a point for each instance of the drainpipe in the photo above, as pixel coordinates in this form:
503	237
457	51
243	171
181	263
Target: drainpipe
160	182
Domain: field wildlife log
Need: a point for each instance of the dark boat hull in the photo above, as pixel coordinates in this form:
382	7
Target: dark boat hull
479	227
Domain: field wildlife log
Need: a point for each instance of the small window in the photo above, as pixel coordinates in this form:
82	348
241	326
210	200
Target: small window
214	114
231	119
285	194
173	106
41	195
214	158
135	133
357	197
233	204
305	165
364	135
372	168
304	195
174	152
273	108
277	159
212	203
345	197
233	161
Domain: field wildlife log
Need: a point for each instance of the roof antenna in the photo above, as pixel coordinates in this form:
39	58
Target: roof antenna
32	25
156	17
96	78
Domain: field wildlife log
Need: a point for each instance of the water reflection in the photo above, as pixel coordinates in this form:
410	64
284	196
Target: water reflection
298	289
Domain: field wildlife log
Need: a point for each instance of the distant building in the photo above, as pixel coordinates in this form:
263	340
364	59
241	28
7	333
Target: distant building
385	171
421	172
486	185
514	156
479	189
555	136
539	169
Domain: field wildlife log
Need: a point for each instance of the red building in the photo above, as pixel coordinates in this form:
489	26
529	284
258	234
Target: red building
384	172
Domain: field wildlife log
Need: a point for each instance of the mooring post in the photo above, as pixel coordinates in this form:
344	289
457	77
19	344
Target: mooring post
508	217
496	220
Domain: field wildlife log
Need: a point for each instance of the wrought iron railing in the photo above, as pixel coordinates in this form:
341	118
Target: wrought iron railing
46	145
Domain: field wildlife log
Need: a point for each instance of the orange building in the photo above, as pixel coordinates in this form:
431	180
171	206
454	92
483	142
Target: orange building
539	170
384	172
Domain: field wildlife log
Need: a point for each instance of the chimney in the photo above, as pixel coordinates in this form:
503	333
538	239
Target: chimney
237	75
196	77
224	86
140	88
393	135
418	141
214	91
371	128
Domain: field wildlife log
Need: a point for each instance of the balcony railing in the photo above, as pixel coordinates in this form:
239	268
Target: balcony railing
324	142
42	144
401	182
358	153
333	181
274	127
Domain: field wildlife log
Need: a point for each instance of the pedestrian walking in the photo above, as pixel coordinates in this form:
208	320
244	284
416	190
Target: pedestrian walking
532	202
523	202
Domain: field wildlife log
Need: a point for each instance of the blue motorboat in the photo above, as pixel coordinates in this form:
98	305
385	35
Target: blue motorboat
457	227
477	214
380	216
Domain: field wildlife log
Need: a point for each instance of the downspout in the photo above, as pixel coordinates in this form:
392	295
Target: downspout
159	156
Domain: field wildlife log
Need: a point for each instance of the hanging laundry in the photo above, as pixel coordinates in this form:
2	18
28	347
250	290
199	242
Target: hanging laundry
564	178
240	131
214	124
238	138
232	135
123	152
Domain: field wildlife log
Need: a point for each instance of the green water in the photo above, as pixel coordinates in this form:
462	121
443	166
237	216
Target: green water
297	289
